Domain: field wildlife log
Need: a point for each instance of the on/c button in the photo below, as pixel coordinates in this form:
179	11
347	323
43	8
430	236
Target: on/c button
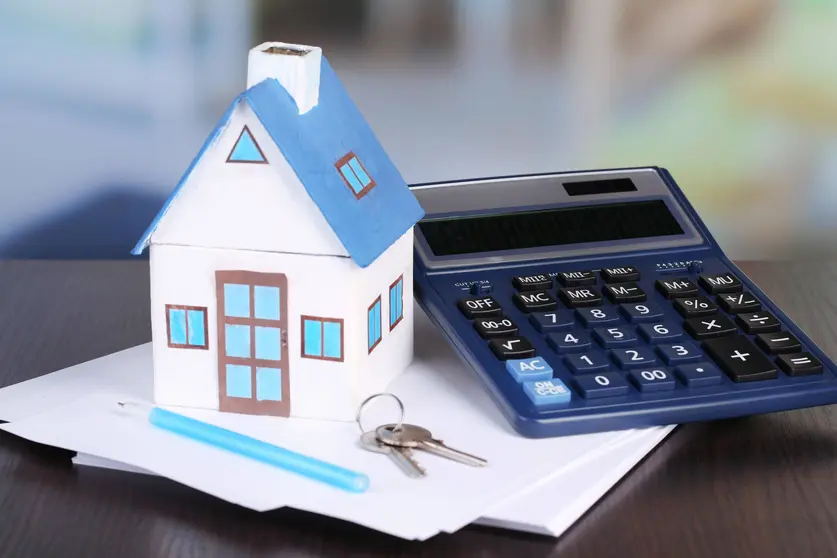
529	369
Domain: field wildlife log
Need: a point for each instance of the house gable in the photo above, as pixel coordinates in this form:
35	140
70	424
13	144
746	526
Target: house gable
226	204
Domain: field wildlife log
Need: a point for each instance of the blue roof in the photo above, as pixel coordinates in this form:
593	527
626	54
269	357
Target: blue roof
312	143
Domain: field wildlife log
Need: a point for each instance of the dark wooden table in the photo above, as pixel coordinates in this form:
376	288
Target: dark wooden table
759	486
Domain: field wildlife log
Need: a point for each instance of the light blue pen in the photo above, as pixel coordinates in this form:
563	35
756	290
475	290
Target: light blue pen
246	446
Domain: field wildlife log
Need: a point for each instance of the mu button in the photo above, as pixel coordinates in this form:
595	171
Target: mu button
512	348
722	283
537	301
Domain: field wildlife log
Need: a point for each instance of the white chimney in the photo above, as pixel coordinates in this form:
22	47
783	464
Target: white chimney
297	67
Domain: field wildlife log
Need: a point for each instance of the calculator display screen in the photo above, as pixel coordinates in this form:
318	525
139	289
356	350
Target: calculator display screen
549	227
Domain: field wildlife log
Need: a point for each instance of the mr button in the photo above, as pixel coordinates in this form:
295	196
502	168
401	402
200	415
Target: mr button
481	307
577	298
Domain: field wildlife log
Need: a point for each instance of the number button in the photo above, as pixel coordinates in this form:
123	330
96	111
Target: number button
624	292
552	321
739	302
547	392
695	307
529	369
760	322
739	358
495	327
587	363
722	283
652	379
576	278
659	333
569	342
677	287
540	301
778	342
482	307
679	353
633	358
577	298
642	312
611	337
709	327
620	274
800	364
602	385
701	374
512	347
596	316
532	282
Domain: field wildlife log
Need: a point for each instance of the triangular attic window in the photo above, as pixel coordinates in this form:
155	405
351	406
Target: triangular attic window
246	150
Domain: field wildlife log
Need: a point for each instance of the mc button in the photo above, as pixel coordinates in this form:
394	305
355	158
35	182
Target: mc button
481	307
538	301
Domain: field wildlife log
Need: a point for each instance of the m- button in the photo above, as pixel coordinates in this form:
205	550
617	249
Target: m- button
481	307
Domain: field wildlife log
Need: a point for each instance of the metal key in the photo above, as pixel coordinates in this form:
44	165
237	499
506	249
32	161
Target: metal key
410	436
403	457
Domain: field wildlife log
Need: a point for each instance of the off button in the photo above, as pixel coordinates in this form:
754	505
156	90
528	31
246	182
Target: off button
479	307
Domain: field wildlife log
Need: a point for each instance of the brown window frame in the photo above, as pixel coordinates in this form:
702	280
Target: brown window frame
401	317
323	320
381	318
205	311
345	159
256	143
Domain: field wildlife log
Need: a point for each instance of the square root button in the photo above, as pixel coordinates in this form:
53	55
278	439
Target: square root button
529	369
547	392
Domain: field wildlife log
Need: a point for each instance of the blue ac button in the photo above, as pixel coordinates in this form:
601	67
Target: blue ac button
529	369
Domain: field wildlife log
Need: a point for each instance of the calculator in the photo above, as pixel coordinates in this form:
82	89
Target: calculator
598	300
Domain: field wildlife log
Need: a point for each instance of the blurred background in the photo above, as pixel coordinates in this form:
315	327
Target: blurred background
103	103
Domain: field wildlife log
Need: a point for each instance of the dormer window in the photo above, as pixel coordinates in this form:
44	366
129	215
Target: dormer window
356	177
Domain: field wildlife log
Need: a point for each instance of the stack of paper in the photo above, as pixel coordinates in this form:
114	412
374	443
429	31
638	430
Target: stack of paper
535	485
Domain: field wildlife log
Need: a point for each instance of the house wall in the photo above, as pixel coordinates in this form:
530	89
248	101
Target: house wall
317	285
246	205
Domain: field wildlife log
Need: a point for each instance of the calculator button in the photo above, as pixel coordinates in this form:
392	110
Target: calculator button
552	321
576	278
569	342
624	292
512	347
547	392
577	298
481	307
620	274
710	326
652	379
641	312
695	307
701	374
612	337
778	342
678	353
587	363
739	302
677	287
799	364
759	322
495	327
720	283
633	358
529	369
602	385
591	317
660	333
740	359
540	301
532	282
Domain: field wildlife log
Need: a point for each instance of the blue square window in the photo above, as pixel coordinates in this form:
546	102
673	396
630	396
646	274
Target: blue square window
322	338
186	327
396	302
355	175
374	324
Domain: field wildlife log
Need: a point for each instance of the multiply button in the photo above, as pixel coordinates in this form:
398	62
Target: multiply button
512	347
739	302
540	301
620	274
721	283
740	359
576	278
482	307
677	287
711	326
576	298
532	282
624	292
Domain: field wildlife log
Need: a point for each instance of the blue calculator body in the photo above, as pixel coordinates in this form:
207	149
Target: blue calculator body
593	301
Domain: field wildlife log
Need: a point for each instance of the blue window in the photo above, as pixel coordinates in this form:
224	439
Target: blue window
239	381
186	327
246	150
322	338
356	177
396	302
374	324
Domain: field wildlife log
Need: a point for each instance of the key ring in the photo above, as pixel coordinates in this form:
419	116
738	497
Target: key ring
374	396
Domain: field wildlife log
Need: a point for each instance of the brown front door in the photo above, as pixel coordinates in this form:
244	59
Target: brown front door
253	343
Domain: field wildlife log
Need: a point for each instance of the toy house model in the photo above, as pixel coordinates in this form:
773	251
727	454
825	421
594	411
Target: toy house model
281	265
